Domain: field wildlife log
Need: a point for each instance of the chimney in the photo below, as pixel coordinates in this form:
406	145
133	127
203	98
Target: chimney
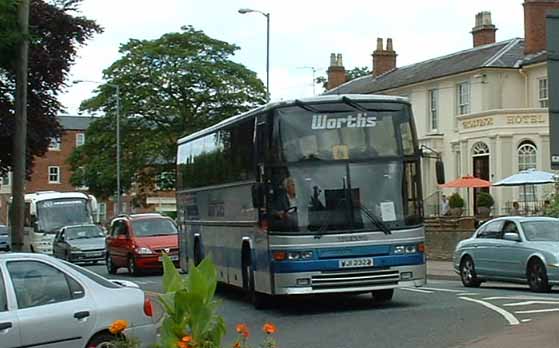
336	71
484	31
534	24
383	59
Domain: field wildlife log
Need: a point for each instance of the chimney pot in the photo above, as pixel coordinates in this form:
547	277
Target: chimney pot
383	60
339	61
332	59
336	71
379	44
389	44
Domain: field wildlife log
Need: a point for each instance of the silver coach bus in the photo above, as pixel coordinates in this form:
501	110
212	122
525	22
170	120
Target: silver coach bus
317	195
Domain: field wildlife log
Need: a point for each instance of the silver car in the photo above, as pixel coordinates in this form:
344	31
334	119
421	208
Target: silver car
511	249
50	303
80	243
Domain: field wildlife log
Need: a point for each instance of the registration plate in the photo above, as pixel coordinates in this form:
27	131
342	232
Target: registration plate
352	263
172	257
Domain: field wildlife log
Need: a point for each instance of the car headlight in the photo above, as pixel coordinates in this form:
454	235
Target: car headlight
143	251
75	249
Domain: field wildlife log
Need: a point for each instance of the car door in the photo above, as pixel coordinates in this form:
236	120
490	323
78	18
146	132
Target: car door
484	259
58	246
511	253
119	243
53	308
9	324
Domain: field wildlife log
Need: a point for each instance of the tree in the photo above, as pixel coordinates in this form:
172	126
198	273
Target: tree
350	75
55	35
169	87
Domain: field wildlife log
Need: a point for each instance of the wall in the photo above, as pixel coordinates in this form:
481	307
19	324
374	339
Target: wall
440	243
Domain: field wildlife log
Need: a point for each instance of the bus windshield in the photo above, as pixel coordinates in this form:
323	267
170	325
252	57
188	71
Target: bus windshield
344	171
57	213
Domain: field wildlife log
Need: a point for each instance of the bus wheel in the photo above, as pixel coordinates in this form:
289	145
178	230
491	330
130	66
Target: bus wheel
259	300
383	296
197	252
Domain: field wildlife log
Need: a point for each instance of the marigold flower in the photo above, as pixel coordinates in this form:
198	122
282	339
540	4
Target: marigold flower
237	345
181	344
269	328
118	326
243	330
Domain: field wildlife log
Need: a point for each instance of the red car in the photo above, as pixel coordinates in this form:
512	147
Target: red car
138	242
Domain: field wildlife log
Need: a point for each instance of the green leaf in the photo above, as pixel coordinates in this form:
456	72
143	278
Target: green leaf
209	271
171	278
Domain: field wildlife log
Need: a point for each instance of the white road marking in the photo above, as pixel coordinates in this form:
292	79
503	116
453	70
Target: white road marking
521	298
467	294
417	290
443	290
507	315
526	320
538	311
528	303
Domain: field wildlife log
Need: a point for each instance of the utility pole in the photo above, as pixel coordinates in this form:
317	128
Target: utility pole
20	139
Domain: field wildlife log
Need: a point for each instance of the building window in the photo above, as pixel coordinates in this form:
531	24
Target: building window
54	144
543	95
54	175
480	149
527	152
5	180
463	98
434	109
80	139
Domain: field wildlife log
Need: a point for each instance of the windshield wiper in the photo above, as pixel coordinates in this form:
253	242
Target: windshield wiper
376	220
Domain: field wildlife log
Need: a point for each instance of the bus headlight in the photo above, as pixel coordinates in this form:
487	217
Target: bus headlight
292	255
409	249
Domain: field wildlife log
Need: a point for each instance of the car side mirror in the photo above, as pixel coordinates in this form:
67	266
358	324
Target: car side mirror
439	169
514	237
258	195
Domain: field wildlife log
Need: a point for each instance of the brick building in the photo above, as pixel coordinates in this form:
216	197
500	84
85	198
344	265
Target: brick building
51	172
485	109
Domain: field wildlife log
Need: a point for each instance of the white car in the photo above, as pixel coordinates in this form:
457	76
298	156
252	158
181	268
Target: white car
50	303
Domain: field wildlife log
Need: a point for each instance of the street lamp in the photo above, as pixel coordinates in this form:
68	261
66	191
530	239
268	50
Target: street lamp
267	15
313	77
117	89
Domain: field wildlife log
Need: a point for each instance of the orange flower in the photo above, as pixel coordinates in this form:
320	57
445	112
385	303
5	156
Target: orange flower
185	342
269	328
243	330
237	345
187	339
118	326
181	344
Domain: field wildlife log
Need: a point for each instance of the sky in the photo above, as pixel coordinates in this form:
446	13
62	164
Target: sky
303	33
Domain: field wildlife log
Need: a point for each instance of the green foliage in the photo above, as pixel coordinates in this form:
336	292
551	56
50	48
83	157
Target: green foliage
484	199
55	34
455	201
190	306
169	87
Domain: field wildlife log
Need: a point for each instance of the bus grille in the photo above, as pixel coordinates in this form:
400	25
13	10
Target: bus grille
354	279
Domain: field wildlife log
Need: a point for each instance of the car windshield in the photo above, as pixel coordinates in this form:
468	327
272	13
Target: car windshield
84	232
547	231
54	214
153	227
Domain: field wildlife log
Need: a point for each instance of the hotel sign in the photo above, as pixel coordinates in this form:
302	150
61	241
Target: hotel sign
478	123
505	120
526	119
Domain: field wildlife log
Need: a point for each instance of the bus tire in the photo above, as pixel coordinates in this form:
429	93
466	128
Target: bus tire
258	300
382	296
197	252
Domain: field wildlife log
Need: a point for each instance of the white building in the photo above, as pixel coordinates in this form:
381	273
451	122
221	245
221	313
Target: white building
484	109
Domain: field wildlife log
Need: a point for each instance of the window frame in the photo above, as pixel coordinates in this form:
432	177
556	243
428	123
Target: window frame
80	139
55	144
433	108
543	92
57	181
463	107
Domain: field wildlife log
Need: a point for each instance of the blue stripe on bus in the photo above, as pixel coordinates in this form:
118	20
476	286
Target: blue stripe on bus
333	265
370	250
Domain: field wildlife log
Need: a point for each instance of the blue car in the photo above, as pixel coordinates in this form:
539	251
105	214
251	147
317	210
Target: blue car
4	243
511	249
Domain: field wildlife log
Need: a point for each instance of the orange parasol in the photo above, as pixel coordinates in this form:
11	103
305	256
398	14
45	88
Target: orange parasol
466	182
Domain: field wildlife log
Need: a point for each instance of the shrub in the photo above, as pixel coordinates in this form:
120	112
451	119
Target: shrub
484	199
455	201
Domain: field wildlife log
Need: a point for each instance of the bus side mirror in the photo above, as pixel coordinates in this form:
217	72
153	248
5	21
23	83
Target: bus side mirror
439	169
258	195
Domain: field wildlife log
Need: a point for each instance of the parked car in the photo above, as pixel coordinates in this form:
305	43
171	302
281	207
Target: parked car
50	303
511	249
138	242
4	238
80	243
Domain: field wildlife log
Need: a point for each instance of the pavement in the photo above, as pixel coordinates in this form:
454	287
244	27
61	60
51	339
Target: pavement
541	333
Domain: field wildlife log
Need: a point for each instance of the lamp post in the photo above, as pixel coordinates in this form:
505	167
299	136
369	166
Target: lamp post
313	77
267	15
117	90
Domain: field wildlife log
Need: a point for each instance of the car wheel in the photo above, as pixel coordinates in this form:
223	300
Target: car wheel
382	296
132	266
537	277
468	273
103	340
111	268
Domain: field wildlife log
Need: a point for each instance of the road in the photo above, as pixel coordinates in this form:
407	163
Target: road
441	314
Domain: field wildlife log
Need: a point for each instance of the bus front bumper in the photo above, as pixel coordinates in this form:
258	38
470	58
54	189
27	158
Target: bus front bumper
353	281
